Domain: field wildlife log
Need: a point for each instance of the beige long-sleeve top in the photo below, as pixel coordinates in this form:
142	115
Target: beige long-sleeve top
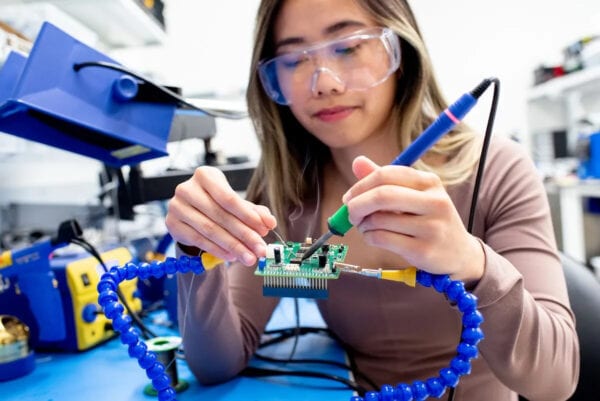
401	334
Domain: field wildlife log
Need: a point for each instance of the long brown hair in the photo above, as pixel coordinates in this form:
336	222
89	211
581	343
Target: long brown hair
288	171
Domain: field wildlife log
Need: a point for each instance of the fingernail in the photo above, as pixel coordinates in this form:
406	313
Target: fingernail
346	197
260	250
248	259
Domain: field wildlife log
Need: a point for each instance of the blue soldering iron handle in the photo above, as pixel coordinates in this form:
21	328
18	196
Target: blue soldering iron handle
442	124
339	223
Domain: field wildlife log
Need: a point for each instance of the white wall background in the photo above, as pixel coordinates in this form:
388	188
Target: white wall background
469	40
209	47
208	52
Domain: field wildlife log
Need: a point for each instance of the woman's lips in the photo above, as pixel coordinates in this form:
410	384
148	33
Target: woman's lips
334	113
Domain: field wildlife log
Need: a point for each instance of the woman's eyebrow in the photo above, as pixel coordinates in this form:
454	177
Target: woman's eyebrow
338	26
289	41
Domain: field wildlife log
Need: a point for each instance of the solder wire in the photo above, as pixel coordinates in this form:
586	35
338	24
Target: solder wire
296	311
165	349
187	307
279	237
189	296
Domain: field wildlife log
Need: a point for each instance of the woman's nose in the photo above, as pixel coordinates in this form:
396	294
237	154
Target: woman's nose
326	82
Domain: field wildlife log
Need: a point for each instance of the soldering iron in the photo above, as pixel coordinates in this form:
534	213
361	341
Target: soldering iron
339	223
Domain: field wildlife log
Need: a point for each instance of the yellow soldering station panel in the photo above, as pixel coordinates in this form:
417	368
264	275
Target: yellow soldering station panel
5	259
83	276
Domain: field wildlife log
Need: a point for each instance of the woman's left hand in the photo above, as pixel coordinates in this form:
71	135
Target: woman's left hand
409	212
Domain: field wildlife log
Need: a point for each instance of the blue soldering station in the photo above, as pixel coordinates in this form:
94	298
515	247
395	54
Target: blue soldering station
29	269
54	294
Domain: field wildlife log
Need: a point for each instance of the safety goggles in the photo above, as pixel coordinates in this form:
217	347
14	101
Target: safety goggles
356	62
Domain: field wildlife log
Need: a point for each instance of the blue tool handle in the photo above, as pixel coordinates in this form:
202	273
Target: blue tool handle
442	124
339	223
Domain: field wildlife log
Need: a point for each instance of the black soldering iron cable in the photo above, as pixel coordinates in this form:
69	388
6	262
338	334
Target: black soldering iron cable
480	169
484	149
252	371
309	361
284	334
297	332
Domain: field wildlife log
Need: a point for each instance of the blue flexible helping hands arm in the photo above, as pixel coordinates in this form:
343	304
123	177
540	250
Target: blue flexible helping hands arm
436	386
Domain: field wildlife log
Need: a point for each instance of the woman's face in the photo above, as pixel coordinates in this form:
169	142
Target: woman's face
324	104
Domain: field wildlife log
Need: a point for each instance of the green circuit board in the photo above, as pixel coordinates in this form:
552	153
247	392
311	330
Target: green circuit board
286	274
321	264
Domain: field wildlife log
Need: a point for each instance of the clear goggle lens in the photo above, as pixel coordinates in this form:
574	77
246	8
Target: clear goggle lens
356	62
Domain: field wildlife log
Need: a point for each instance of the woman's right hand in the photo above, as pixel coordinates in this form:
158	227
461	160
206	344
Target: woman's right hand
207	213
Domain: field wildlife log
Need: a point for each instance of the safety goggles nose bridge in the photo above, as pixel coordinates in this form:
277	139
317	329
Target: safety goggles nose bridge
322	60
323	70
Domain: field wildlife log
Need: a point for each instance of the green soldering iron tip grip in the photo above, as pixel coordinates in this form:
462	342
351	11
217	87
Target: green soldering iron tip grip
338	223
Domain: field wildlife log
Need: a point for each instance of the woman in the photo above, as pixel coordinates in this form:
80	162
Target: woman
337	89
